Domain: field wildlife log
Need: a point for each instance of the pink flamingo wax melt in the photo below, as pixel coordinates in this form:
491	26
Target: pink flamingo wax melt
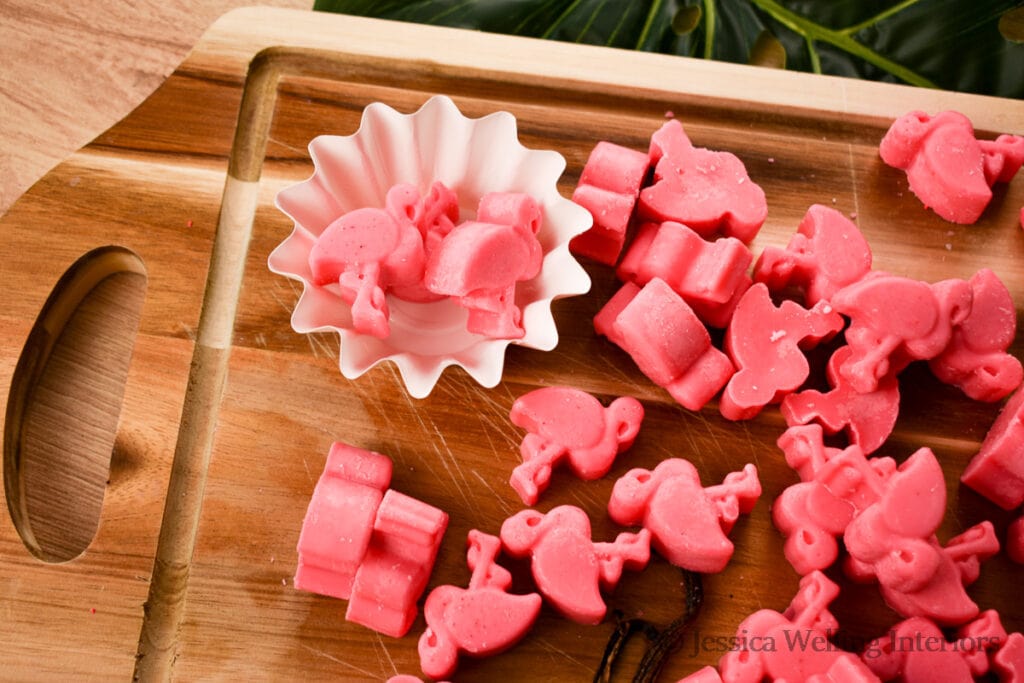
568	425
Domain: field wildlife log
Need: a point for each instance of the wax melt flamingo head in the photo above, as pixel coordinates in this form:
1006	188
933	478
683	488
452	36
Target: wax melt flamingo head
469	157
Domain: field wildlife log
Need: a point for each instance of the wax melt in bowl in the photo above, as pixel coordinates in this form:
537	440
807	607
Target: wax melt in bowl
470	156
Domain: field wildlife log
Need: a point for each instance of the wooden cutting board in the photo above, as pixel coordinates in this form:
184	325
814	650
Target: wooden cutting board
226	415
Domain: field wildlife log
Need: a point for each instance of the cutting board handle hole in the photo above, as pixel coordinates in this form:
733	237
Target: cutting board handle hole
65	402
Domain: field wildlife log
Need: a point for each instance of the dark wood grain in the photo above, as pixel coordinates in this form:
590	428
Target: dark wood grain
283	401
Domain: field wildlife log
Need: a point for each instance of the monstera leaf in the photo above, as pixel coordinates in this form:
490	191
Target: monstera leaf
965	45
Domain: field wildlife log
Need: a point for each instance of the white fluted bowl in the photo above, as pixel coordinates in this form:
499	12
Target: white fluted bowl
470	156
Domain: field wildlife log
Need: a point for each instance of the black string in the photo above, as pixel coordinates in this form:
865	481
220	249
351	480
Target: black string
661	643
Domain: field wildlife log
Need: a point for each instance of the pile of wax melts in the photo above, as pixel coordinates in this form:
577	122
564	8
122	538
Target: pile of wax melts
687	270
346	552
416	249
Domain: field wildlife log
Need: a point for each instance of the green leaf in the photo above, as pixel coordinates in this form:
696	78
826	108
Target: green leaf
971	46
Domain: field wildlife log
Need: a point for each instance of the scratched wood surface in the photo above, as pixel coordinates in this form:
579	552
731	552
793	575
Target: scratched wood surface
231	610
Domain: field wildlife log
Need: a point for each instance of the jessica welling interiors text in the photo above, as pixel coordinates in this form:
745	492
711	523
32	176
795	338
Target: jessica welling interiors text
810	640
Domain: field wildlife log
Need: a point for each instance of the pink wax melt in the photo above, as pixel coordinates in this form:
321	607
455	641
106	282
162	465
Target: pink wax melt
709	276
1008	661
917	650
480	620
976	358
339	520
688	523
608	188
837	486
997	471
570	425
800	649
569	569
868	418
708	674
827	253
948	169
893	541
708	191
1003	157
479	262
1015	540
944	163
368	544
666	340
367	252
895	320
764	343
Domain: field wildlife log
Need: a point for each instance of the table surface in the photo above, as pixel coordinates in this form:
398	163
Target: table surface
73	69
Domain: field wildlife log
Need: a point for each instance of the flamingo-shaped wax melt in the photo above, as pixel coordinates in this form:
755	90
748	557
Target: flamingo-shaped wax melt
480	620
976	358
666	340
827	253
916	649
567	424
608	188
708	191
868	418
709	276
948	169
837	485
367	251
997	470
479	263
794	645
569	569
688	523
895	320
893	541
368	544
764	343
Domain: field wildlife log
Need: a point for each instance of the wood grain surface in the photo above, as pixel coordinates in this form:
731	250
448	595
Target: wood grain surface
228	414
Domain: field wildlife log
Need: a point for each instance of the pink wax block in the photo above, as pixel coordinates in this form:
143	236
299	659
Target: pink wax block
481	620
480	263
944	163
434	215
339	521
764	343
406	537
688	523
571	426
1008	662
608	188
868	418
997	470
893	541
666	340
708	191
976	358
800	648
895	320
827	253
710	276
569	569
1003	157
1015	540
916	649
